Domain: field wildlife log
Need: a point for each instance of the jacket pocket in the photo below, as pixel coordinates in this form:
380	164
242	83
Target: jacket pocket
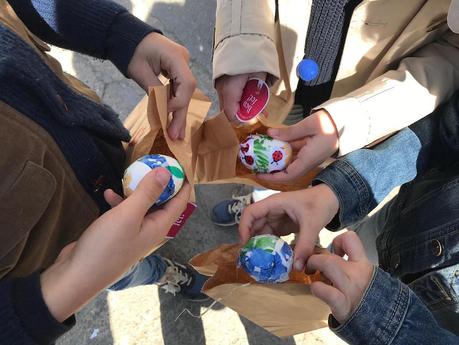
21	207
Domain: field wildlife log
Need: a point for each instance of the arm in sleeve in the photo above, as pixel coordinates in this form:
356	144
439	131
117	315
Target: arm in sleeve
399	97
363	178
391	313
99	28
24	316
244	40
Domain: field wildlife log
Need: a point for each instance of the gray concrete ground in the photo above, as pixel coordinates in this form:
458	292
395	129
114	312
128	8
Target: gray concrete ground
145	315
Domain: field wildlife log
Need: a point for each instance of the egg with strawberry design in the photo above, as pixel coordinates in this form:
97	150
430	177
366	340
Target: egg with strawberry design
262	154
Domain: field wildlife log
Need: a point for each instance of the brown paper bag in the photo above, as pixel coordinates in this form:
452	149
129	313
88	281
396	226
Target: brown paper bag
209	152
283	309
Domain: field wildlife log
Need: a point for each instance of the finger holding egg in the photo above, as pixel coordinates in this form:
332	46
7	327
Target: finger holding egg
138	169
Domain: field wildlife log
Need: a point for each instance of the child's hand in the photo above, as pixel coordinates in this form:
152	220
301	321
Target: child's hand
314	138
111	245
306	211
229	89
350	278
155	55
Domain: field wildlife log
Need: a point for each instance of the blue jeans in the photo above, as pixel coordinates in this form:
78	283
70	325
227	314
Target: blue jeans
148	271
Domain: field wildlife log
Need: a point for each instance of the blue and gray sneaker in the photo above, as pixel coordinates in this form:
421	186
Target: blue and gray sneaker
183	279
228	212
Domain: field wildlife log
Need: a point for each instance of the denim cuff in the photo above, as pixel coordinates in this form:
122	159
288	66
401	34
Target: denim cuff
380	314
350	188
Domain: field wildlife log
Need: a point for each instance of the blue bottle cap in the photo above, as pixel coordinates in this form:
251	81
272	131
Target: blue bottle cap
307	70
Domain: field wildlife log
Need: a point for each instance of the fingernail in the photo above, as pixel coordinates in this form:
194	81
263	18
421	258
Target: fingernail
298	265
273	131
162	176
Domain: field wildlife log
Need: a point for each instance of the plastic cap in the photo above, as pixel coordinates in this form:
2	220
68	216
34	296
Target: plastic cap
307	70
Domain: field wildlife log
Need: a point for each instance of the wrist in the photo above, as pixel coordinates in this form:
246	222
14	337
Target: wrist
330	202
126	33
64	291
328	127
53	285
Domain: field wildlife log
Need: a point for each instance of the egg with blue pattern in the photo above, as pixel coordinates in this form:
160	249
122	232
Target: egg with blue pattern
267	259
138	169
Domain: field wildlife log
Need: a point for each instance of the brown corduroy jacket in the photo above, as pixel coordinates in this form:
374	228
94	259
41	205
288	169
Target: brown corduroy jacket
43	207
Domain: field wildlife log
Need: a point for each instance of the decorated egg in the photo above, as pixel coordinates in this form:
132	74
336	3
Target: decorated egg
263	154
137	170
267	259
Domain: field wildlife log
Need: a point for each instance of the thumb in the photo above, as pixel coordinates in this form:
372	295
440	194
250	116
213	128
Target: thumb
290	133
148	191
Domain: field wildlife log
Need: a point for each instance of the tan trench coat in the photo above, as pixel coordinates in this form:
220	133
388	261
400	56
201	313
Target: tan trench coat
400	60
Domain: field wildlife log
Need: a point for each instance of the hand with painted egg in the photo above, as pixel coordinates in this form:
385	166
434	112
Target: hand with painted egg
264	155
137	170
266	258
305	212
112	244
315	139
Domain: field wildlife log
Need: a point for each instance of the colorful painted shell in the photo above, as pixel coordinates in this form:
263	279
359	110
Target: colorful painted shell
137	170
267	259
263	154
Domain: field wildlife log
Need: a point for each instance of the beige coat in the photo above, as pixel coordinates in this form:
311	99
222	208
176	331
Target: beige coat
400	60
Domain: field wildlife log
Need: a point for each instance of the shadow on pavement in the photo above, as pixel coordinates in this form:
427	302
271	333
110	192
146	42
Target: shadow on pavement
93	325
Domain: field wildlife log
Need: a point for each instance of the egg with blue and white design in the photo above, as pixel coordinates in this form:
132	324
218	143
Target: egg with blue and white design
267	259
142	166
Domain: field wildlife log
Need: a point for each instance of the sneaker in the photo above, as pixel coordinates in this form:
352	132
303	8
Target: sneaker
183	279
228	212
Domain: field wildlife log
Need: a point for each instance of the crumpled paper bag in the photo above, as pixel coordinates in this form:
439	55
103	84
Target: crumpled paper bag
283	309
209	151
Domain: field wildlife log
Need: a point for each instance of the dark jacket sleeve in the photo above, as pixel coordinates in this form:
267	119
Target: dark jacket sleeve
390	313
363	178
24	316
99	28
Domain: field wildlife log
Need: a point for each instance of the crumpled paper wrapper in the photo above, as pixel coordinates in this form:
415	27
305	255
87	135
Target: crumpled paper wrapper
283	309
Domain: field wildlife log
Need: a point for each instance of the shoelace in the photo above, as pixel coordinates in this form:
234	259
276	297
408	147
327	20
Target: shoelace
236	208
175	278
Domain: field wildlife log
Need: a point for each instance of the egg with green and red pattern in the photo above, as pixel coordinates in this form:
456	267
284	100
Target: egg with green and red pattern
263	155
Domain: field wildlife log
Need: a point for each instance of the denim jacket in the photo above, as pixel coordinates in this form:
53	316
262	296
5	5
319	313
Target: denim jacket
391	313
419	242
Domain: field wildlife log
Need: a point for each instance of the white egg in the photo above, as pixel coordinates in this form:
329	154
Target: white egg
263	154
137	170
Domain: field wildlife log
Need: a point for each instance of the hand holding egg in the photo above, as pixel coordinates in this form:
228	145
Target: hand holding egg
137	170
